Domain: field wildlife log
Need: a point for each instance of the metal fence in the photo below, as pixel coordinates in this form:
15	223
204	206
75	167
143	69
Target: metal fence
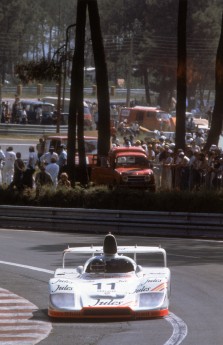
40	130
119	222
89	92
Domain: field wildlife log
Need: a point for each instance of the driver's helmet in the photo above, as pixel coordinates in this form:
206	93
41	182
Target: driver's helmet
97	265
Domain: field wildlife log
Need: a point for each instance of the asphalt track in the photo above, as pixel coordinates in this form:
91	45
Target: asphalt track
27	260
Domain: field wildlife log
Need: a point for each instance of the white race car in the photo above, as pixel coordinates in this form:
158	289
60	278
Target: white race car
110	284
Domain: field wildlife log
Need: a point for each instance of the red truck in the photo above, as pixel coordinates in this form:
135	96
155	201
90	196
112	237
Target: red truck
126	167
151	118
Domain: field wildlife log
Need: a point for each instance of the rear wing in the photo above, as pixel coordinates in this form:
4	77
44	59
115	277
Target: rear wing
120	250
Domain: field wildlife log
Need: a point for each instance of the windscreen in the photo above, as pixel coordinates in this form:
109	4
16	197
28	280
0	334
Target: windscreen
131	161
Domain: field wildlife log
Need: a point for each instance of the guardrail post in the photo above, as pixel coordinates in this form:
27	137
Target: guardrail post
112	90
39	89
94	90
19	90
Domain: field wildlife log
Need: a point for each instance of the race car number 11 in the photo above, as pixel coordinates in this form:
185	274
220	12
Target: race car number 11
99	286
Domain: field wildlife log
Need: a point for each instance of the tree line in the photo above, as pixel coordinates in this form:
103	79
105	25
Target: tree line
159	50
140	38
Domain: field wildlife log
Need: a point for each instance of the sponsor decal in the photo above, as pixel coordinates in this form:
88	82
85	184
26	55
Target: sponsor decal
160	287
60	281
61	288
102	302
143	287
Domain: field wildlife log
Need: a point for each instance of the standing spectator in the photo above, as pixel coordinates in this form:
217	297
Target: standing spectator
190	124
192	157
135	128
209	116
194	170
33	158
151	152
162	140
23	116
185	172
3	114
164	154
62	158
200	167
122	127
2	161
166	178
53	169
177	167
46	158
157	165
145	147
15	109
199	138
30	168
19	168
216	173
131	138
39	114
195	147
42	179
126	142
40	149
115	140
211	172
8	168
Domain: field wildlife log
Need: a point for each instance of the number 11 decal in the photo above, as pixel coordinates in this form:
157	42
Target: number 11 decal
99	286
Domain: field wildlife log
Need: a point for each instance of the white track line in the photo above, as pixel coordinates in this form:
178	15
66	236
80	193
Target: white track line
26	266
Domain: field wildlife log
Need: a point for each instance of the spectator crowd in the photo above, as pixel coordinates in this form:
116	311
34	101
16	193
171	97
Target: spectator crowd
40	169
190	169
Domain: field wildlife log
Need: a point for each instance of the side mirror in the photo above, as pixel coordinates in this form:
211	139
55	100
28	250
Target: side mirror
80	269
138	268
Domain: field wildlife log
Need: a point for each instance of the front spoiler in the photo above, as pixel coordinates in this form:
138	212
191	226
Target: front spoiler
107	313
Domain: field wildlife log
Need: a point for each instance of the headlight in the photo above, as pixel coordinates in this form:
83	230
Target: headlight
151	299
62	300
124	178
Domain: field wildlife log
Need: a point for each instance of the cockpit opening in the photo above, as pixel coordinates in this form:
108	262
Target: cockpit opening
114	265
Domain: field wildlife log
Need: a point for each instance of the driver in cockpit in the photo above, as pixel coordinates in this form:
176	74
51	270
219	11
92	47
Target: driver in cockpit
110	262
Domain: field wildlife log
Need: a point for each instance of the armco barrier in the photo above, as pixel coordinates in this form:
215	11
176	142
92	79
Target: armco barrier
10	128
180	224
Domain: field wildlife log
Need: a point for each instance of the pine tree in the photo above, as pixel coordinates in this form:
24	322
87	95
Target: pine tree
181	76
217	116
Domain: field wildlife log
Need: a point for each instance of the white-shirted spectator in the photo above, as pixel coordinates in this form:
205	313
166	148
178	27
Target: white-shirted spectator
33	158
46	157
8	168
53	169
2	160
